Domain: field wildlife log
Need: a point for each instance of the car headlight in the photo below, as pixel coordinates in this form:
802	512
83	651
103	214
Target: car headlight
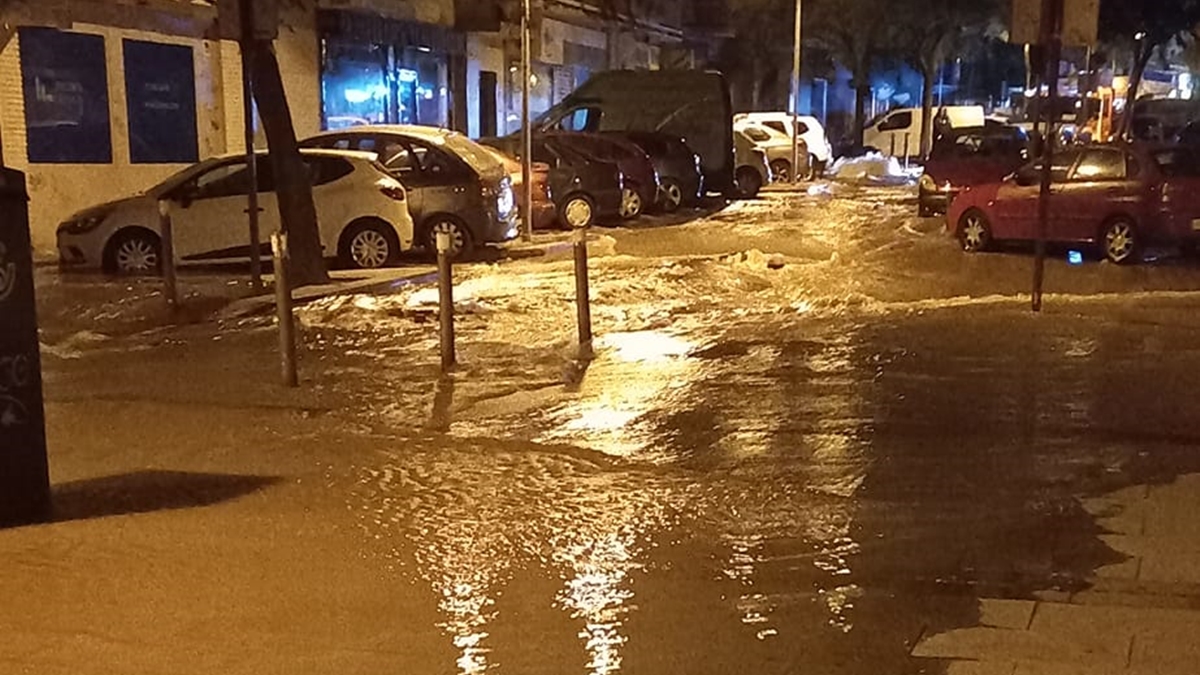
83	224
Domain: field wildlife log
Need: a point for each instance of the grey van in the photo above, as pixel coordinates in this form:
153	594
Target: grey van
453	184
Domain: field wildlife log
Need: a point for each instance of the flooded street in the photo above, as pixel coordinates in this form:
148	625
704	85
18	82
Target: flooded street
816	437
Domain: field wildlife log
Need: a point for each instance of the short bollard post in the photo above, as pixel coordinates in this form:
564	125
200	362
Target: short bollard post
445	300
283	310
583	301
892	148
167	232
905	151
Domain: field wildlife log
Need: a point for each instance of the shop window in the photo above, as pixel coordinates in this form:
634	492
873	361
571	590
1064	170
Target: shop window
65	86
381	84
160	93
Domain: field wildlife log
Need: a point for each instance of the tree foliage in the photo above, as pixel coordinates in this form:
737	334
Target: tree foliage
1139	28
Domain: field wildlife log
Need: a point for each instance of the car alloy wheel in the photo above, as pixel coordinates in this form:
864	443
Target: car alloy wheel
136	254
369	249
749	181
578	212
974	233
631	203
1120	241
460	241
781	169
672	196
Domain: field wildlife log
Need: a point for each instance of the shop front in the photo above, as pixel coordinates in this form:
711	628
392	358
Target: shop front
376	70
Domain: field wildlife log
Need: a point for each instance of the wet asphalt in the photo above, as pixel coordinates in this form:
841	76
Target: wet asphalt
815	432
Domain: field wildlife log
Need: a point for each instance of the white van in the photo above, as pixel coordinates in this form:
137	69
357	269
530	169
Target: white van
897	133
811	132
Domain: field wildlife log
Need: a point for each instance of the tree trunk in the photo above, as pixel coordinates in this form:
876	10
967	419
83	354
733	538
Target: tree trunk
862	89
292	185
929	71
1141	60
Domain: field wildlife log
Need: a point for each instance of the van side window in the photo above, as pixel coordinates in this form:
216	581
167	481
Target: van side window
900	120
777	126
582	119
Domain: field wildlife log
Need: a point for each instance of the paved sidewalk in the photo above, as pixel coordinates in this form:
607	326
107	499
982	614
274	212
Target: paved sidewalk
1141	616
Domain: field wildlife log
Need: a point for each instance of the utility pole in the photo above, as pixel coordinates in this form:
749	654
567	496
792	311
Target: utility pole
527	124
1051	41
252	209
796	99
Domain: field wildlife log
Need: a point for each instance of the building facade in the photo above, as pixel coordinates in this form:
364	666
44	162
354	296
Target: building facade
103	98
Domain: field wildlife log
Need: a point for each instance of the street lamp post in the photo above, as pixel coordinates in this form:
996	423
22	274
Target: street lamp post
527	126
796	99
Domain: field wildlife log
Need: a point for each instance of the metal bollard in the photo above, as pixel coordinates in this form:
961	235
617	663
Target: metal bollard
905	151
445	300
892	140
583	301
166	233
283	310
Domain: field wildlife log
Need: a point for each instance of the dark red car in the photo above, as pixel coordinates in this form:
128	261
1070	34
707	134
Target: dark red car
641	180
967	157
1118	198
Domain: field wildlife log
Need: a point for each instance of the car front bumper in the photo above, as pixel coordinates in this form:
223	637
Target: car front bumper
936	202
73	252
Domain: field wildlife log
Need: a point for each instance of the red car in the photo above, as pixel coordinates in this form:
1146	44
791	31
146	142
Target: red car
1116	197
641	180
967	157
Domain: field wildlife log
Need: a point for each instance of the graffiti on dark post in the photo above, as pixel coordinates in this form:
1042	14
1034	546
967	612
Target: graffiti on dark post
16	373
8	274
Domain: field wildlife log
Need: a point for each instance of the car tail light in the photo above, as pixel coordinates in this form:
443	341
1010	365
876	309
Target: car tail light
393	191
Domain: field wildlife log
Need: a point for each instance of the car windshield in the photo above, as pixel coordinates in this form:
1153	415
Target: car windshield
181	177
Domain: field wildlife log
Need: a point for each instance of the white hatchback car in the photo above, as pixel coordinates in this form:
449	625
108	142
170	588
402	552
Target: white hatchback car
362	216
820	150
778	149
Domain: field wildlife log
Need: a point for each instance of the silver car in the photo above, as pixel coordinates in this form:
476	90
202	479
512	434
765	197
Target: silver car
454	184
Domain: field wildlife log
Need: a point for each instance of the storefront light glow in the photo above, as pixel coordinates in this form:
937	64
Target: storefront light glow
354	95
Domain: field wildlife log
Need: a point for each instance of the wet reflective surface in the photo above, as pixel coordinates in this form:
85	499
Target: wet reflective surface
804	464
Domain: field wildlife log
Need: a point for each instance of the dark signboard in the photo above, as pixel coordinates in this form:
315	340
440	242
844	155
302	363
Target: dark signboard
24	475
160	95
65	85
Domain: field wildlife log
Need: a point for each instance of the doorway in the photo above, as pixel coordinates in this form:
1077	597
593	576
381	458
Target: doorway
487	103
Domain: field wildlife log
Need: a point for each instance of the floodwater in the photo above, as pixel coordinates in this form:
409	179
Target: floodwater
797	451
